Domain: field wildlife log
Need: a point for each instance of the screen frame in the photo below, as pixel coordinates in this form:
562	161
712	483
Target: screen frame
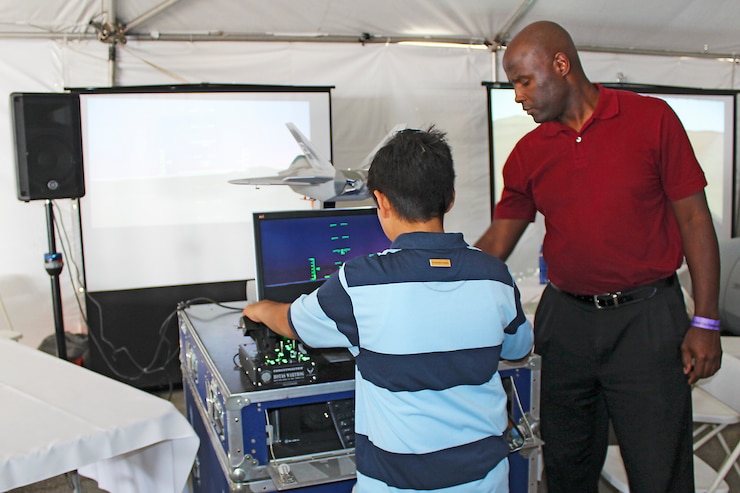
285	294
111	236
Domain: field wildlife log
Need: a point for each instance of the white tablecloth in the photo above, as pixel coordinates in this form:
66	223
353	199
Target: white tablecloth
57	417
731	345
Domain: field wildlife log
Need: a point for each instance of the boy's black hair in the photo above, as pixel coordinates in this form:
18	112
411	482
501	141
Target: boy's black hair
415	171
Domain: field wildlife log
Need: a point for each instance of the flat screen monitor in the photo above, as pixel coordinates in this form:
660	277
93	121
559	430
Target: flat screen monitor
295	251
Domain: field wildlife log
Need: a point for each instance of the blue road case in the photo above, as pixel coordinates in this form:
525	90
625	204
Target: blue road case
282	425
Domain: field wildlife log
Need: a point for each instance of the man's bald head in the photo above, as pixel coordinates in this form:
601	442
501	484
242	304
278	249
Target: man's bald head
544	39
542	64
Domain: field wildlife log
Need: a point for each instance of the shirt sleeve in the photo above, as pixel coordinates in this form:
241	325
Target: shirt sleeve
311	323
518	342
680	171
516	202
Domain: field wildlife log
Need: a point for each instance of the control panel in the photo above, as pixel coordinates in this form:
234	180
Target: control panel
269	360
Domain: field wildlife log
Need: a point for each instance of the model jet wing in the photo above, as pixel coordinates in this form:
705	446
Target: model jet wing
312	175
299	172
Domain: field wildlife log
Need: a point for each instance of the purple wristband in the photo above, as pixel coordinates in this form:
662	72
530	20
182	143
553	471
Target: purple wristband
705	323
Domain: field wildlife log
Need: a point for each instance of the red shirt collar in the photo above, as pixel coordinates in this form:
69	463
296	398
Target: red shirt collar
606	107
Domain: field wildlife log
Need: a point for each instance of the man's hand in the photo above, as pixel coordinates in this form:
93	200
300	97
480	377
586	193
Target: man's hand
701	353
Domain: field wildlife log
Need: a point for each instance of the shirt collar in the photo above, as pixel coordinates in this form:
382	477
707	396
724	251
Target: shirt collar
607	107
429	241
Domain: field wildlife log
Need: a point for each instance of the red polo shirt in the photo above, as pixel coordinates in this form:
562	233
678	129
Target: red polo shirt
605	193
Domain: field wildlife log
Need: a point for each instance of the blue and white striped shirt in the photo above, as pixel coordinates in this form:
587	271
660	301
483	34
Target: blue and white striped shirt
427	321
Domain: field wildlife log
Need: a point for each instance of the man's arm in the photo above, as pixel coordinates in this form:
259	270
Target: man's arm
502	236
272	314
701	349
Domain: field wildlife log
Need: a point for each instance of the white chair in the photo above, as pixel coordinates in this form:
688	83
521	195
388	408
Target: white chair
716	405
731	345
614	474
722	386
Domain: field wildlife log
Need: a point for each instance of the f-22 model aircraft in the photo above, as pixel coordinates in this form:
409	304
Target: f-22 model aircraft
313	176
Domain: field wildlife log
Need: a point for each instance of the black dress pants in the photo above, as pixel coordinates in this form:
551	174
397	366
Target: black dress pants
621	364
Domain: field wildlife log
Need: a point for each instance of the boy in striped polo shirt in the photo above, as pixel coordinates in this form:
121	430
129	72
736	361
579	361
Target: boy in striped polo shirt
427	321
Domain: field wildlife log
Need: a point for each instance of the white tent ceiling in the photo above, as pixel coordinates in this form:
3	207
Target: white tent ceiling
703	28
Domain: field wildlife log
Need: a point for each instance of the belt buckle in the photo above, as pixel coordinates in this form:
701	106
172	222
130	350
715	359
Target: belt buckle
606	298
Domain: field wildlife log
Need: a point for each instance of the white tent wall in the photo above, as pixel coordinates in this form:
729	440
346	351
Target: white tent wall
376	86
705	73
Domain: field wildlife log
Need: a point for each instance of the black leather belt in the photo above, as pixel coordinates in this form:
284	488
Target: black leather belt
619	298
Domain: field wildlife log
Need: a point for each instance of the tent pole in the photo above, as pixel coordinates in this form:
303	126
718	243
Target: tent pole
112	64
148	15
112	20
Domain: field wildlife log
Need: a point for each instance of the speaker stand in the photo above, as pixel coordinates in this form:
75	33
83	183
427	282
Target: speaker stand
53	263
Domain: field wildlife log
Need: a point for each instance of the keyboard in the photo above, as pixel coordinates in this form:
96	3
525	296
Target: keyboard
342	413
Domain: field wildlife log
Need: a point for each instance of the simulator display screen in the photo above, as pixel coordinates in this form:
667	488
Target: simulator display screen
297	250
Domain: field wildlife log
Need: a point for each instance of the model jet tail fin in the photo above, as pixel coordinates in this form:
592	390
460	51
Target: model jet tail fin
314	157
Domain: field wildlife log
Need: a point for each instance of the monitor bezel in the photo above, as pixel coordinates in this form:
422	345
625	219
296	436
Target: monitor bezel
259	217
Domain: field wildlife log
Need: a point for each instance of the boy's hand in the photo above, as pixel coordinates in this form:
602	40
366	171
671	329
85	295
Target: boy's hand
272	314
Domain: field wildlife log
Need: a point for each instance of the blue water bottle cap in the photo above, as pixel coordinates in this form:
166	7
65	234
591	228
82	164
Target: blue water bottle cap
543	268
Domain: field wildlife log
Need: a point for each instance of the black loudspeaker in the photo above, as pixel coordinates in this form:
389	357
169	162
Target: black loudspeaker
48	140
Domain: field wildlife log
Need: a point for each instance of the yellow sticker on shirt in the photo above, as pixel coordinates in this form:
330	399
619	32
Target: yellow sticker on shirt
440	262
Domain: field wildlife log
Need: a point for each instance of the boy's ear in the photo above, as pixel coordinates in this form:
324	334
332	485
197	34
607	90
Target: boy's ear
384	205
452	202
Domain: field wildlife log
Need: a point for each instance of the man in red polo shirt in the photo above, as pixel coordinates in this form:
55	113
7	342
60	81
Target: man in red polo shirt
622	194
